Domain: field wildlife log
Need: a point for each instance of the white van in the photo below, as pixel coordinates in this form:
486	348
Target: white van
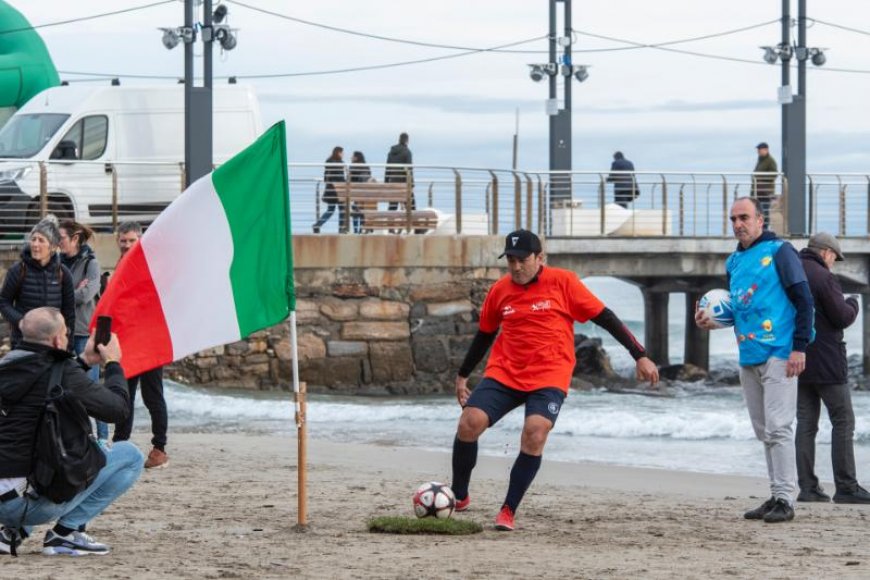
83	134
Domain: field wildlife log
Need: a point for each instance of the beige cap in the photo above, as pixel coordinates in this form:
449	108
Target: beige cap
825	241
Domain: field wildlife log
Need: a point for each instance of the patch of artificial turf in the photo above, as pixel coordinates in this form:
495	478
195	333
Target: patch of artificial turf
407	525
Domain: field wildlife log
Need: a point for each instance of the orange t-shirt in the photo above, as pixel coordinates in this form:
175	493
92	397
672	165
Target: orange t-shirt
535	348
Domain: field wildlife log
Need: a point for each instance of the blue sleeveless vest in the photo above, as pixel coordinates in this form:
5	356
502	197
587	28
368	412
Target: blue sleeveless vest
764	317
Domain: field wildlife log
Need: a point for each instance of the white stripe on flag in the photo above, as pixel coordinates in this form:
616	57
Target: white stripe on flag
189	257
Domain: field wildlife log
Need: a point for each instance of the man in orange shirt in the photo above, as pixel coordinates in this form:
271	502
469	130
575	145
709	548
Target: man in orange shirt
532	361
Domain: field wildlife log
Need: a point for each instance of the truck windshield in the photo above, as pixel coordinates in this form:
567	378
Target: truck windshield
25	135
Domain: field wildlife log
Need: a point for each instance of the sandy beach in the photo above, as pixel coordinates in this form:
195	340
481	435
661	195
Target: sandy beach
226	508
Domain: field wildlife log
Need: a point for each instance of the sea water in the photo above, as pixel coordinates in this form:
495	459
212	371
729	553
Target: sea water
700	426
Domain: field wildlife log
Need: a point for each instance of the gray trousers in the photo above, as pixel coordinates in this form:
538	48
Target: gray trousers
838	402
771	399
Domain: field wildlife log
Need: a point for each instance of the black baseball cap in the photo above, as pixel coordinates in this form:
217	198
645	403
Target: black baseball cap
762	145
521	243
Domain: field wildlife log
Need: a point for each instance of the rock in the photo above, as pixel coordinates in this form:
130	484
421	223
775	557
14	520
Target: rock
347	348
237	348
373	309
258	345
255	359
430	355
339	310
439	293
683	372
283	349
311	347
330	372
205	362
375	331
449	308
307	311
216	351
592	359
351	290
391	361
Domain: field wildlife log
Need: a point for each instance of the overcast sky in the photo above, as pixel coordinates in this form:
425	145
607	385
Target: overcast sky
666	111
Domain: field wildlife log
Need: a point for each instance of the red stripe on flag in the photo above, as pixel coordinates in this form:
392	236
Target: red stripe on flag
132	301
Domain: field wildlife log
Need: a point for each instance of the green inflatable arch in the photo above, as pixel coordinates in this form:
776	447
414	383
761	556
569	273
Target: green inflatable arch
25	65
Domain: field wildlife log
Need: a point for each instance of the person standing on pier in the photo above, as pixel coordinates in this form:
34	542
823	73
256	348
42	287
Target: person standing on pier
528	316
764	185
825	379
624	185
773	322
400	154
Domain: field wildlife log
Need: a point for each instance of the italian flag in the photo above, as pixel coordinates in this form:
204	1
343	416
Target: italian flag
215	266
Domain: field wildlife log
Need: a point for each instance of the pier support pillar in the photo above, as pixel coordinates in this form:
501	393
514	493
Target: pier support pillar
697	340
655	307
865	332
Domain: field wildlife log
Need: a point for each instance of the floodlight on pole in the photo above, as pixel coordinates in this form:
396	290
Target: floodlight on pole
581	72
171	38
770	54
817	56
219	14
224	35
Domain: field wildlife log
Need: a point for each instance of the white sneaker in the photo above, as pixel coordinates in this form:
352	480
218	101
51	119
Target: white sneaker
74	544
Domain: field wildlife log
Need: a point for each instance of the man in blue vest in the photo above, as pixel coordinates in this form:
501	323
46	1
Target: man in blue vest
773	323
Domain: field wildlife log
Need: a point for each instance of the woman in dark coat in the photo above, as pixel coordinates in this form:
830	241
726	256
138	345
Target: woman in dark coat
333	173
39	279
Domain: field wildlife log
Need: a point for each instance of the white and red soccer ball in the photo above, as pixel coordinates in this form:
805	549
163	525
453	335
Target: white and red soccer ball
434	499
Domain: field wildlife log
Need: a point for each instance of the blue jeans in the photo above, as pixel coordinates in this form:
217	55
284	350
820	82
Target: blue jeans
124	464
79	343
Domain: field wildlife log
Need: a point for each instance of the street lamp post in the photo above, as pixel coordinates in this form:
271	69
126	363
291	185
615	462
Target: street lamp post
198	99
794	112
560	117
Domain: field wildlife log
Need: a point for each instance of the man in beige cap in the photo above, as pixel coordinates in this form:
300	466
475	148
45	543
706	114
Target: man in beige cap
825	379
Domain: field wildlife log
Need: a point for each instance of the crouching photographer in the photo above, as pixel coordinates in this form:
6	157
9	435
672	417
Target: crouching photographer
51	468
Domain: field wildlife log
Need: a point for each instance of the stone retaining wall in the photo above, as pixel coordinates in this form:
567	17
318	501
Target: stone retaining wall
359	335
362	330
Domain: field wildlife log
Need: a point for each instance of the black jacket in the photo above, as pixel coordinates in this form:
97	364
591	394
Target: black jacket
333	172
826	356
400	155
24	376
49	285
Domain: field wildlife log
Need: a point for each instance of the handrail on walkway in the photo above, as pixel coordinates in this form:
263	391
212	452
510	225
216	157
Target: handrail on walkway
467	200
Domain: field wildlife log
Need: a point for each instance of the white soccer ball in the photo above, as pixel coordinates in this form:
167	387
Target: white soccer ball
717	305
434	499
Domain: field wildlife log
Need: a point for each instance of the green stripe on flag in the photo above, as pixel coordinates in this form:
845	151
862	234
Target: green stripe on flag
253	189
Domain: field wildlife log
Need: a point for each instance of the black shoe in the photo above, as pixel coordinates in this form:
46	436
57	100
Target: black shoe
813	494
758	513
780	512
315	229
859	495
9	540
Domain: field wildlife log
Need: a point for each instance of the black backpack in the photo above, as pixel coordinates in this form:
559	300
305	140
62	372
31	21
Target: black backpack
66	456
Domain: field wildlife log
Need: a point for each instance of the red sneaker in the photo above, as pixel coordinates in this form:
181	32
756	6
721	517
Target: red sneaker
462	504
504	521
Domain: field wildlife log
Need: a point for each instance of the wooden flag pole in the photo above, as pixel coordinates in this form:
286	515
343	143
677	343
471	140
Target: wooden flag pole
299	390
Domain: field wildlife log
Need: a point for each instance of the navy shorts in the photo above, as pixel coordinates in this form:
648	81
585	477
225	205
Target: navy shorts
497	400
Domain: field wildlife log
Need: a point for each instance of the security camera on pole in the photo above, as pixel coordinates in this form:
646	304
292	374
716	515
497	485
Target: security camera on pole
198	99
794	112
560	117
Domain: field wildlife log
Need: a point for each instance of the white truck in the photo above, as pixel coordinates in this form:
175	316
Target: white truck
94	149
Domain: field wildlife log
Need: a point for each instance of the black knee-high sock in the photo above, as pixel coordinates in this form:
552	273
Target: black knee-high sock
464	460
523	472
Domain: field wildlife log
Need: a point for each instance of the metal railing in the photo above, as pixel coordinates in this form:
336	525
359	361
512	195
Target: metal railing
468	200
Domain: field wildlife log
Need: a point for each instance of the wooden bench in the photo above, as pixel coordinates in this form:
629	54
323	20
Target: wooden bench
364	197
